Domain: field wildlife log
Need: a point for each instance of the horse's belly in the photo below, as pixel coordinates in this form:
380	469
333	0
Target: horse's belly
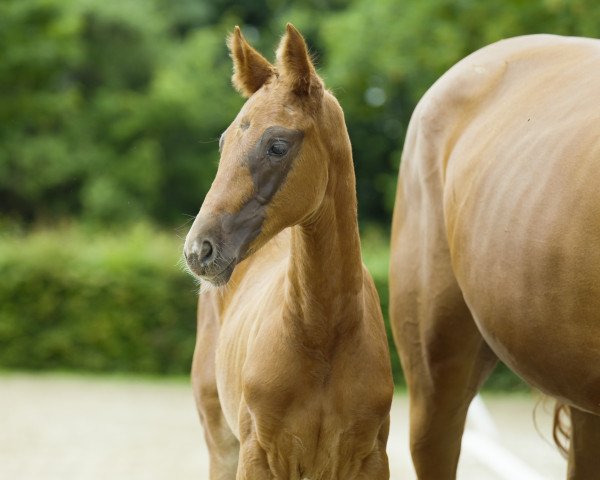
529	270
558	355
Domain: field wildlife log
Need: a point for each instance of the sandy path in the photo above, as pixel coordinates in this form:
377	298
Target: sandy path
84	428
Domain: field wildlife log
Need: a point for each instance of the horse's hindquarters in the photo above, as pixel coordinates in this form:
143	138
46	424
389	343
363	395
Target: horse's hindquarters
525	245
497	217
522	213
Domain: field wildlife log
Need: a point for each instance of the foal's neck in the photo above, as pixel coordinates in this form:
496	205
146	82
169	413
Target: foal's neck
325	275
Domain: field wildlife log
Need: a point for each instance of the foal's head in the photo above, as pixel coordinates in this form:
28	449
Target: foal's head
273	170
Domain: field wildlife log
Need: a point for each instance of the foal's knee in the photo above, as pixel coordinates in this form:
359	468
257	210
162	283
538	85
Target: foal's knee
207	400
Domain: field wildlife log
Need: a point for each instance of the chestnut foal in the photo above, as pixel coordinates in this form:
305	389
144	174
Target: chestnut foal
291	370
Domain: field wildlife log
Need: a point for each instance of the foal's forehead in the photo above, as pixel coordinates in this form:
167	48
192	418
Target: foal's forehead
271	106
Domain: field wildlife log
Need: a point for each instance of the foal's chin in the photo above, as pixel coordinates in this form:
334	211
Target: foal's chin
210	282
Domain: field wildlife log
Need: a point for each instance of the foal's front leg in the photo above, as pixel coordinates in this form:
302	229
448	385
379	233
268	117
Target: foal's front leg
376	465
253	462
256	464
223	446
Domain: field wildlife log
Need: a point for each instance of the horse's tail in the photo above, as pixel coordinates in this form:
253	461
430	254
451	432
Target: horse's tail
561	429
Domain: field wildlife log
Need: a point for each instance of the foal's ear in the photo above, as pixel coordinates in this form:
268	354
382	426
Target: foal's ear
294	63
250	69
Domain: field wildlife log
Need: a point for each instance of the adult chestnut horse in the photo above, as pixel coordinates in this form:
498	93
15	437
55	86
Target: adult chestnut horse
291	370
496	241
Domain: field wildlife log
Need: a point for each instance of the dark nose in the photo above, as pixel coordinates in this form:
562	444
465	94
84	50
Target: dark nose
206	251
200	254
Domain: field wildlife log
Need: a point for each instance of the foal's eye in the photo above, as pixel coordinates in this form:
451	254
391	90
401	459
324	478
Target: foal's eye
278	149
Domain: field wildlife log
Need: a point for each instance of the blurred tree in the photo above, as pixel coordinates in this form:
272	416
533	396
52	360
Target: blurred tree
111	111
382	56
106	113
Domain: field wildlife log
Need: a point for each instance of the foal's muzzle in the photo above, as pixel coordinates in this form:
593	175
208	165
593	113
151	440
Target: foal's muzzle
202	252
207	260
208	257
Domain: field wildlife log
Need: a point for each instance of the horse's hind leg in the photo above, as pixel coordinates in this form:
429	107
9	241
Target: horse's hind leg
584	450
444	357
223	446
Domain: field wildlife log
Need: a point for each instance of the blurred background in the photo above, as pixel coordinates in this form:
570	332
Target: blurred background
110	114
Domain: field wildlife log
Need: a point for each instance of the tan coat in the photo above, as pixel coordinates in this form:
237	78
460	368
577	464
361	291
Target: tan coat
496	240
291	369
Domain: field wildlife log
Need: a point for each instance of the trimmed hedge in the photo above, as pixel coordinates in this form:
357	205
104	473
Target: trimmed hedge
95	302
100	302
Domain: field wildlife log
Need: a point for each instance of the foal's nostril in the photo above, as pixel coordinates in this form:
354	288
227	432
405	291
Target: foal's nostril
206	250
200	255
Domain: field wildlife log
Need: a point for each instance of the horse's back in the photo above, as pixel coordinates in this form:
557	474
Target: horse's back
509	142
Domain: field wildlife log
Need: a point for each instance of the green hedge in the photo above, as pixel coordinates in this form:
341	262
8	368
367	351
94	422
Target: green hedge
88	301
70	300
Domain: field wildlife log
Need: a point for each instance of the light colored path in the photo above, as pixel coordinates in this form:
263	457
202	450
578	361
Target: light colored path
88	428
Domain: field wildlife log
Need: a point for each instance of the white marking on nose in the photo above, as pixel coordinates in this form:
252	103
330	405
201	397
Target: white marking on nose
196	247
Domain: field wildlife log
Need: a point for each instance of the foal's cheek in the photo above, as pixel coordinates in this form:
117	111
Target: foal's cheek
291	204
268	180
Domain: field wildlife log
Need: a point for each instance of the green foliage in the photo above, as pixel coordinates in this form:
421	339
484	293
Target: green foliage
95	302
81	300
380	58
110	111
107	115
376	254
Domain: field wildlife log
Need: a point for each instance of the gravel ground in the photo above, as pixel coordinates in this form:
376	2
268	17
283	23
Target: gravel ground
87	428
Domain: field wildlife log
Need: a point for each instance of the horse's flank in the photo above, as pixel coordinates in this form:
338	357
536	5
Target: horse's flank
495	240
